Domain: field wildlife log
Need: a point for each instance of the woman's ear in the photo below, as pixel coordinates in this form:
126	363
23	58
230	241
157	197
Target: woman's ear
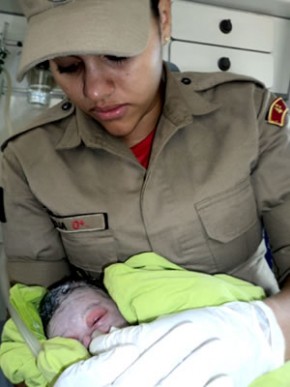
165	20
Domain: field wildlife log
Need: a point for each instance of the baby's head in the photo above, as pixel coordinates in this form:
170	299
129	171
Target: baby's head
77	308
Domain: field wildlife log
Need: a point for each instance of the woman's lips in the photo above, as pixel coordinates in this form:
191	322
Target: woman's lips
110	112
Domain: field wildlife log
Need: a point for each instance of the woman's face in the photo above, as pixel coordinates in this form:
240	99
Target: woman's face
84	312
122	94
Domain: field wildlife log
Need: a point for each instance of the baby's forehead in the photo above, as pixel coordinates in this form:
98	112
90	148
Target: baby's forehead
86	291
80	299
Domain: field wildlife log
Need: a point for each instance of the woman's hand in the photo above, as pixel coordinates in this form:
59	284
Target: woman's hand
280	305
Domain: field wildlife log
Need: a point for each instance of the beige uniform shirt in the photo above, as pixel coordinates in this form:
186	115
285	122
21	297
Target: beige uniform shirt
218	172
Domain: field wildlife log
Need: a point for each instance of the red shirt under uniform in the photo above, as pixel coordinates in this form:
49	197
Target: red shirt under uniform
142	150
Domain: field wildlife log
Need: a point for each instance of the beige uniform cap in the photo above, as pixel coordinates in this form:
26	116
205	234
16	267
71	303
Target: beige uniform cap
65	27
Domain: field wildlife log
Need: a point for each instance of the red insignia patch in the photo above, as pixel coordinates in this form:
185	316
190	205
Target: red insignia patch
277	112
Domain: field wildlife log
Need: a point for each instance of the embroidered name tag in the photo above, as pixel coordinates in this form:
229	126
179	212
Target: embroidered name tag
277	112
82	222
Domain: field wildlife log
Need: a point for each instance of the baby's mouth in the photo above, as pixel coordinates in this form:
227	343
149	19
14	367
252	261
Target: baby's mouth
100	323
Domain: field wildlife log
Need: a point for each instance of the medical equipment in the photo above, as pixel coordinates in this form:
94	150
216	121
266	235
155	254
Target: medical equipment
40	83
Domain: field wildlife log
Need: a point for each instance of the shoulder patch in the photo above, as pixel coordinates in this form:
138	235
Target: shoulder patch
277	112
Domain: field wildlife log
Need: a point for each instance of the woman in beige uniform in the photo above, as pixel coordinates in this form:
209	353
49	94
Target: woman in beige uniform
192	166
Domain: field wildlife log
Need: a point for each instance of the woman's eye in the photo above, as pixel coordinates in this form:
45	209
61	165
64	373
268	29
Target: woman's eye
68	68
116	59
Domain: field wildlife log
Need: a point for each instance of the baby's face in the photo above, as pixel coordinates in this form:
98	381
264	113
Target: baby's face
83	312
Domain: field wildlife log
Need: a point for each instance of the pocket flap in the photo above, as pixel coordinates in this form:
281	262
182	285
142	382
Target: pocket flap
228	215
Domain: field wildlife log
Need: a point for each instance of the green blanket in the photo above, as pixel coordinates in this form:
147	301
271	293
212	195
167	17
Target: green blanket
147	286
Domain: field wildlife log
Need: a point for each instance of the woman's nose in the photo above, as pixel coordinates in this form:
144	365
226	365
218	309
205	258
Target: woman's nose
98	86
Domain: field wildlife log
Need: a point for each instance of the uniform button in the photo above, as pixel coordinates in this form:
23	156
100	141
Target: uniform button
66	106
186	81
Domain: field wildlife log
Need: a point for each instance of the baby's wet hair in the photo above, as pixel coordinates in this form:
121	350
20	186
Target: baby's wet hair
60	291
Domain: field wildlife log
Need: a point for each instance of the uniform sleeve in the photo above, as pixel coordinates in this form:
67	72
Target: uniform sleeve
32	245
271	179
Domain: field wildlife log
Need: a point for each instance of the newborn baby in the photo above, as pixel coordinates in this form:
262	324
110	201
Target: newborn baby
76	309
238	340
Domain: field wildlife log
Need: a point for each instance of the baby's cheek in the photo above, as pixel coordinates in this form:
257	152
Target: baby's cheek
76	327
70	326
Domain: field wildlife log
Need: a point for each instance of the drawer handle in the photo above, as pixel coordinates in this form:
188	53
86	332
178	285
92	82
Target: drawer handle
226	26
224	63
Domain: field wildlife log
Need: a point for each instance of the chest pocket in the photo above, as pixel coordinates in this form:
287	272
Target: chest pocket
88	242
231	224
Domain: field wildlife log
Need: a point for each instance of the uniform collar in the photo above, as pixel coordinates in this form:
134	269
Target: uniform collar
85	130
70	138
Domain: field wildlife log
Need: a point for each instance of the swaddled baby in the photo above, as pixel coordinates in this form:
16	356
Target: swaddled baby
231	344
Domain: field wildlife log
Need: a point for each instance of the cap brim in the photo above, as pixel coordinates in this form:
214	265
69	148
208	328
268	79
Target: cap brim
111	27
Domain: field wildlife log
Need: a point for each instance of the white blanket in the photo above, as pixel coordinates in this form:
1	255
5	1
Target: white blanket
224	346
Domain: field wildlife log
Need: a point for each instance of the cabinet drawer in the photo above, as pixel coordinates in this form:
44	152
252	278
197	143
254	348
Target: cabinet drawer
203	58
201	23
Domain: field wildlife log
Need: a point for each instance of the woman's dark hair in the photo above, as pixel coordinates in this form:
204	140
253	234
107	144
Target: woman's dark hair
154	7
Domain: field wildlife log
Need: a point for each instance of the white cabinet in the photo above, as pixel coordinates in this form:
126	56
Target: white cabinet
213	38
221	26
201	58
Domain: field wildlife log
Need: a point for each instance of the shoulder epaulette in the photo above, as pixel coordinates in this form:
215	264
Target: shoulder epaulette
203	81
55	113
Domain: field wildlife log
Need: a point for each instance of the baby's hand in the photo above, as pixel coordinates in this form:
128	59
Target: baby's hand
97	333
105	342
